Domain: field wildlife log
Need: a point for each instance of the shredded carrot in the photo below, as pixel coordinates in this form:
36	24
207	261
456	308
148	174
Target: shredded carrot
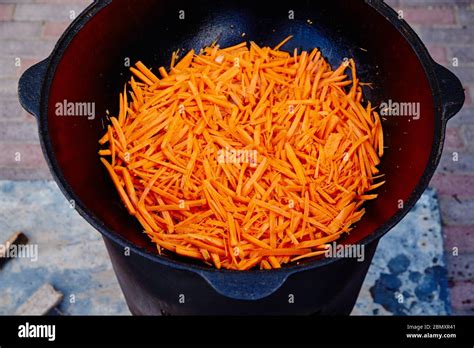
244	156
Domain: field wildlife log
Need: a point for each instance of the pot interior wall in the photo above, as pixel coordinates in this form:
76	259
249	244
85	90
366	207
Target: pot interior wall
94	69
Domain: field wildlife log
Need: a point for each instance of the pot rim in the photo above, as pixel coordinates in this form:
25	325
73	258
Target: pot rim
383	9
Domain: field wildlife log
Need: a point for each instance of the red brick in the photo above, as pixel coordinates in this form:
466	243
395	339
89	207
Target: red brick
464	163
453	139
467	93
11	110
27	63
21	173
463	117
23	131
54	29
6	12
8	87
467	136
465	74
392	3
429	16
20	30
464	54
31	155
456	211
466	16
459	36
453	184
462	296
414	3
27	48
459	265
46	12
78	2
461	237
438	53
9	68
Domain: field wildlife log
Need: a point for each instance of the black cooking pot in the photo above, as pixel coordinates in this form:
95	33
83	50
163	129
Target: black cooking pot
89	64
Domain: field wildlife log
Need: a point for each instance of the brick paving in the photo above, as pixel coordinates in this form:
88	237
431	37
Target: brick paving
447	28
29	29
28	32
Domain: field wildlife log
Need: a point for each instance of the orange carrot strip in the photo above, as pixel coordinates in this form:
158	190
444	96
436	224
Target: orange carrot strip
244	156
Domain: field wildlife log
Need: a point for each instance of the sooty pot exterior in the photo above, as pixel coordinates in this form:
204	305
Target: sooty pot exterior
151	288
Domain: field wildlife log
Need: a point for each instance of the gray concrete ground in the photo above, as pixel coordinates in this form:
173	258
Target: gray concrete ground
408	273
407	276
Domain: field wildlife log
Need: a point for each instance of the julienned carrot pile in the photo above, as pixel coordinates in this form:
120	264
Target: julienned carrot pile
244	156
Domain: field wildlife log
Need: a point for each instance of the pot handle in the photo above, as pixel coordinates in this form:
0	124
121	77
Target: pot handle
29	87
452	91
246	286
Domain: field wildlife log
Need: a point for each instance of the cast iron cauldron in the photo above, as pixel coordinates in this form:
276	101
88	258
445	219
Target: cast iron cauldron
88	64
